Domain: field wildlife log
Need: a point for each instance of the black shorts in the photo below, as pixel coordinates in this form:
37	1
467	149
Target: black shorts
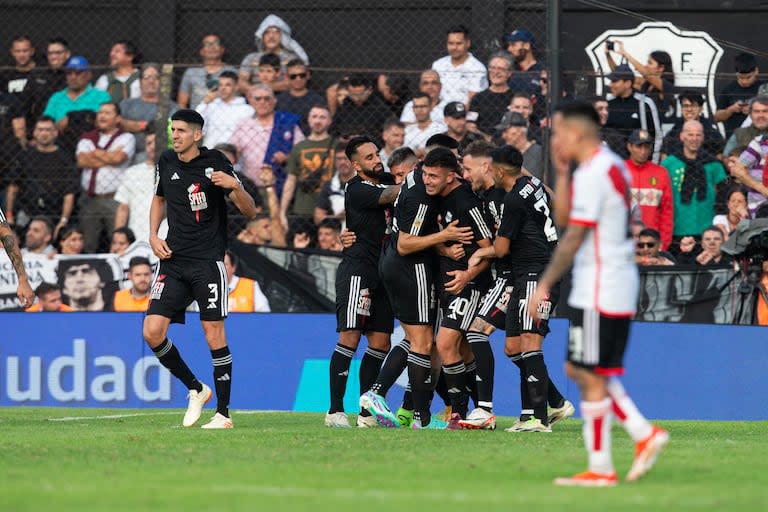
410	287
176	284
597	342
362	303
493	306
518	319
458	311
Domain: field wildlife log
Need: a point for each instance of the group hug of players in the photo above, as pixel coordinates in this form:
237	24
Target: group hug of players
425	251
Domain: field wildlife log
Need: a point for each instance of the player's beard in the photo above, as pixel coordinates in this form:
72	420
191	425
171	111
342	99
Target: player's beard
376	172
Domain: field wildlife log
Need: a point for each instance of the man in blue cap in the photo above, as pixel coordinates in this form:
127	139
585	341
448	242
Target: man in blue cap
527	70
78	96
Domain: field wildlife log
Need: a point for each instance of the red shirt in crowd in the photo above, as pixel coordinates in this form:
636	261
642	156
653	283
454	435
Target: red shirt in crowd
652	192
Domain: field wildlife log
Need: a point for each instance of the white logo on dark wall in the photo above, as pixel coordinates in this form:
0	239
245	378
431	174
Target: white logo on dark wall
695	55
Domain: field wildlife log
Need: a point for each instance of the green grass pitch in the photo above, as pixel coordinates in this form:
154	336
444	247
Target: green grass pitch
290	461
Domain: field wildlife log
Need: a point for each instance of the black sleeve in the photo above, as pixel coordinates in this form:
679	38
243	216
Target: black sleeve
412	214
365	195
324	198
513	216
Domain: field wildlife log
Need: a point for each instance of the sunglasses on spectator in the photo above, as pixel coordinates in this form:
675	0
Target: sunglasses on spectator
261	98
646	245
294	76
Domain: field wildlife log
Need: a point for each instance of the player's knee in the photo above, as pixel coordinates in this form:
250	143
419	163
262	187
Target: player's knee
153	335
379	341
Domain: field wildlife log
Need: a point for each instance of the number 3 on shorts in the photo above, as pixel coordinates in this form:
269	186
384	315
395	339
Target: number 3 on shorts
214	289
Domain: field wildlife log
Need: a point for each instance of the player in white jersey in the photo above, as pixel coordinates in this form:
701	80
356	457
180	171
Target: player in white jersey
594	202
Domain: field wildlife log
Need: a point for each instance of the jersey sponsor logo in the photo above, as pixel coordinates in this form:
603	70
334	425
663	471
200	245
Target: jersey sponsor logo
209	172
157	289
197	200
527	190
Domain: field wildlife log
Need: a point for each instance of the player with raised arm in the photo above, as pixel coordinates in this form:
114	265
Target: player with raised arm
594	202
492	313
23	289
362	305
191	184
406	268
525	240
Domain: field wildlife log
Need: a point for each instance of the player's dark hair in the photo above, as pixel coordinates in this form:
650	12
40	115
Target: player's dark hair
578	109
443	158
358	80
330	223
480	148
401	155
294	63
59	40
130	49
692	96
44	220
442	140
138	260
270	59
392	121
128	232
45	288
188	116
508	156
651	233
458	29
228	74
355	143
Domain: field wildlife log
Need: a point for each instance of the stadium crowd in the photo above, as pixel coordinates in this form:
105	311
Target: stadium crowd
77	150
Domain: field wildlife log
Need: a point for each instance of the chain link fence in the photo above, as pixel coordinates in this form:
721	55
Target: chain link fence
364	61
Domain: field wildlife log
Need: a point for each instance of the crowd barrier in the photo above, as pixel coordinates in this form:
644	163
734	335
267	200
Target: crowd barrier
675	371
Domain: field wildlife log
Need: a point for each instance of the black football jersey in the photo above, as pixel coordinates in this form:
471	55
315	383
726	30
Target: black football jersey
196	208
527	222
493	202
415	213
464	205
367	218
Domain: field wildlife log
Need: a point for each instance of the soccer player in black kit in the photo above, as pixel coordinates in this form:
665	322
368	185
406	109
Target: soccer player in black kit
362	305
526	238
191	184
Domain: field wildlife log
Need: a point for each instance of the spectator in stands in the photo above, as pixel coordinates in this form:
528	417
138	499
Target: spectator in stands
309	168
651	187
635	227
710	252
758	115
692	108
298	99
737	211
362	111
393	136
751	170
487	106
429	83
694	174
83	285
199	82
328	235
336	94
656	80
402	161
103	154
136	113
514	131
123	81
50	79
222	110
648	250
456	121
610	137
395	90
416	134
733	100
120	240
43	180
330	202
13	134
134	195
523	104
258	231
37	239
527	69
70	240
79	95
273	36
269	69
245	295
629	110
48	299
461	74
19	80
266	138
761	306
135	298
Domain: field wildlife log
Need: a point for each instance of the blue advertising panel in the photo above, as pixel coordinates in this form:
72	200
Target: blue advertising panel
674	371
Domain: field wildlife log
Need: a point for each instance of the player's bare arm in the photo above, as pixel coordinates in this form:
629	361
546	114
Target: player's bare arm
561	261
389	195
239	196
23	290
156	214
408	244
